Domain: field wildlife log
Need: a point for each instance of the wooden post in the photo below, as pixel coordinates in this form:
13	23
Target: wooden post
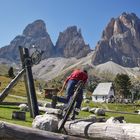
11	85
25	80
30	83
19	115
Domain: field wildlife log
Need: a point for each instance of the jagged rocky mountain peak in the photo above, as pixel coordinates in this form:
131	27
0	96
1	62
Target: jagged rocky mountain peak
120	41
34	34
69	34
127	18
73	31
71	43
35	29
125	22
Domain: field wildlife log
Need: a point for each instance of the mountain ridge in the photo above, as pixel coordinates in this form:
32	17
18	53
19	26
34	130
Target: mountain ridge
70	43
120	42
51	68
116	52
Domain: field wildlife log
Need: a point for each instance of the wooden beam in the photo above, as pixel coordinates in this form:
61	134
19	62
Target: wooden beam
30	83
5	92
103	131
15	132
22	58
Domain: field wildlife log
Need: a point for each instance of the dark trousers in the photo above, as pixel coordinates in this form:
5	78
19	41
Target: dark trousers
69	93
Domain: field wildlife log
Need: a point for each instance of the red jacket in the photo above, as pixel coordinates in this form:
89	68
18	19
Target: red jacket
78	75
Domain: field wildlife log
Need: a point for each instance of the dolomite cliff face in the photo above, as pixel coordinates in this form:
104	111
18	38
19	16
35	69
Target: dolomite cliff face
120	42
70	43
34	34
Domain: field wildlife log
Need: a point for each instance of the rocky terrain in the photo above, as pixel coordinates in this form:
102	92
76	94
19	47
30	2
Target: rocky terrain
34	34
118	51
70	43
50	68
120	42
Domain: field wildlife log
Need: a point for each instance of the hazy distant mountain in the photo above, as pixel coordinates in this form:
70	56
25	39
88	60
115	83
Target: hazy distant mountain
120	42
34	34
70	43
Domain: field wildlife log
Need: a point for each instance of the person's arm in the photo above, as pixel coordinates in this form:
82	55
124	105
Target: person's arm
62	89
64	85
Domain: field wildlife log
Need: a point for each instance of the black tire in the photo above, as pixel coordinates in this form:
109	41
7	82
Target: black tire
70	107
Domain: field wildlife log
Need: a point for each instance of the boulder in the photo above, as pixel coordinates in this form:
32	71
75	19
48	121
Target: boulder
85	109
115	120
60	106
138	111
92	110
48	122
92	116
50	110
23	107
53	111
112	120
100	112
86	101
47	104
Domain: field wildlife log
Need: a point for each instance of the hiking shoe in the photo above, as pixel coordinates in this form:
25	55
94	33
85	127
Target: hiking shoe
75	113
54	101
73	117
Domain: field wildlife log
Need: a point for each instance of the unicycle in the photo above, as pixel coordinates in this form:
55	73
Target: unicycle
71	105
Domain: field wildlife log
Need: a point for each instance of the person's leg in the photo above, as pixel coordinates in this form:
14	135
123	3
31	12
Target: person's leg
69	92
54	101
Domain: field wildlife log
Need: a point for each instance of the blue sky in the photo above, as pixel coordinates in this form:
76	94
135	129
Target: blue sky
91	16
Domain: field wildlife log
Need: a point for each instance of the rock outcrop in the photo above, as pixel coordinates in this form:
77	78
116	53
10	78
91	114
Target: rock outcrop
120	42
34	34
70	43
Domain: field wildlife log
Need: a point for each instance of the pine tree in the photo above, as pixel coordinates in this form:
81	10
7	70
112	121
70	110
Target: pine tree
122	85
11	72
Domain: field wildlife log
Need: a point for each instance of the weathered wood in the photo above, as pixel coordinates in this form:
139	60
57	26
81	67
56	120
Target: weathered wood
103	131
16	132
19	115
12	103
30	83
22	58
5	92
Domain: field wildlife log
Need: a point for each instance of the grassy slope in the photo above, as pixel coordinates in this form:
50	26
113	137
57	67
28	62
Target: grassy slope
3	69
19	89
6	115
116	107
